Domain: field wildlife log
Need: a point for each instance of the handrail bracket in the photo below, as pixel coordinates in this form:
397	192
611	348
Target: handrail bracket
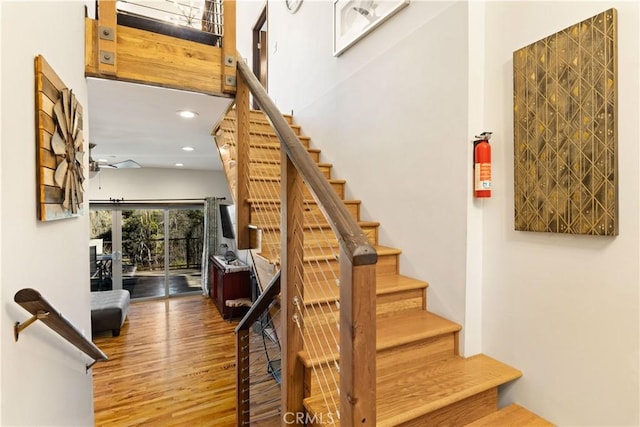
19	327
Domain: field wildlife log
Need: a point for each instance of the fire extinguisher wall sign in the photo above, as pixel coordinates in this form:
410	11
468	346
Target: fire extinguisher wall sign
482	165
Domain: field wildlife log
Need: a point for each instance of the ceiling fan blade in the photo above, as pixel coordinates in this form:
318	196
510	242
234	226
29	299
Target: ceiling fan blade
126	164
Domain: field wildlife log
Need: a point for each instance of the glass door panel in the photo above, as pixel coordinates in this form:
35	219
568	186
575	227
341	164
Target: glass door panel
185	230
153	253
100	249
143	252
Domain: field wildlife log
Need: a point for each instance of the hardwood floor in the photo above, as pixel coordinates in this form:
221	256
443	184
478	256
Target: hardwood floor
173	364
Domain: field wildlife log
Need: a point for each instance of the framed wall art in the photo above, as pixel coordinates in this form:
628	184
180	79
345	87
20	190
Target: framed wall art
565	130
354	19
60	146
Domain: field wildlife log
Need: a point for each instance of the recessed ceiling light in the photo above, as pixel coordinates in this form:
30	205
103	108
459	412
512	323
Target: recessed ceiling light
186	114
187	148
179	165
103	160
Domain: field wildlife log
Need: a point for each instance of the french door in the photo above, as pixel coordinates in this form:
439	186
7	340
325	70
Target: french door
153	252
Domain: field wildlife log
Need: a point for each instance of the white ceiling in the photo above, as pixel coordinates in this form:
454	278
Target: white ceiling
138	122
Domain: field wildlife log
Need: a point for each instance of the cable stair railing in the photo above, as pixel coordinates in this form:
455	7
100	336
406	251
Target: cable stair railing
258	360
325	260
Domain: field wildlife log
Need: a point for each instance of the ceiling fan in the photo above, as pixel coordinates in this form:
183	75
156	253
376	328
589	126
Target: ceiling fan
95	166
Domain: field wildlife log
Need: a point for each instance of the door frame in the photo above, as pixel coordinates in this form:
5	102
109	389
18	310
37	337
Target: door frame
258	48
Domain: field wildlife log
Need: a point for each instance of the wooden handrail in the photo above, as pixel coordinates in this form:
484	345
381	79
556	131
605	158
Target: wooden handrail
261	304
42	310
350	235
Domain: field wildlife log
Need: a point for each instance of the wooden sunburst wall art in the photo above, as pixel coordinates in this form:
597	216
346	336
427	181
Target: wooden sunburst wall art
60	146
565	130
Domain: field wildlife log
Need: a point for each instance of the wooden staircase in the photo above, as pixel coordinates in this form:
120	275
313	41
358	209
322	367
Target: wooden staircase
421	378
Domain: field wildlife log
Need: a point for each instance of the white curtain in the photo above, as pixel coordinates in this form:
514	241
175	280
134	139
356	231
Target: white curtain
211	238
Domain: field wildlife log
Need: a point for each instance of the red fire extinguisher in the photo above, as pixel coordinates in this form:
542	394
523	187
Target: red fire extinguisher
482	165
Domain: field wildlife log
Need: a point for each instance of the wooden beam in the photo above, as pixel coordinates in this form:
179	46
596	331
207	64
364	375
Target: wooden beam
107	37
229	53
292	271
357	342
243	208
159	60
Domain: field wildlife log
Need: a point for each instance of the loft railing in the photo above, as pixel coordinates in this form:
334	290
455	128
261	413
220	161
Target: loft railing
258	359
141	42
204	15
42	310
356	344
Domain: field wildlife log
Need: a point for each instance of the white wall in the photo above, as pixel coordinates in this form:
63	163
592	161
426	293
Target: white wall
396	113
152	183
43	377
1	296
563	309
391	115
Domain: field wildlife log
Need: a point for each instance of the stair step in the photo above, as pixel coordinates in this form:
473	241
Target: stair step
322	291
256	125
258	115
511	416
272	168
414	325
266	212
269	187
271	139
321	235
272	152
322	265
419	393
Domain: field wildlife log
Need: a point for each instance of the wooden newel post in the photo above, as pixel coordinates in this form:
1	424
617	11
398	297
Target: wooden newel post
292	272
243	209
357	342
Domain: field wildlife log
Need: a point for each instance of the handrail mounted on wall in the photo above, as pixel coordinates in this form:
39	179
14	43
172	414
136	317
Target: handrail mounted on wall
42	310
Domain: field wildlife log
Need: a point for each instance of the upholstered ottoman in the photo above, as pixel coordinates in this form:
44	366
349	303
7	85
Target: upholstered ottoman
108	310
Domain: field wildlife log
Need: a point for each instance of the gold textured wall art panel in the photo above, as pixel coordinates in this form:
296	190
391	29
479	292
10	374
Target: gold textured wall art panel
565	130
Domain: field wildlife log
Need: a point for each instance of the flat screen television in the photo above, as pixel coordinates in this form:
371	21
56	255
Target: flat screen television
227	224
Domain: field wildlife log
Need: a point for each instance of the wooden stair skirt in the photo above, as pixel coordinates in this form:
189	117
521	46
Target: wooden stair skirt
421	378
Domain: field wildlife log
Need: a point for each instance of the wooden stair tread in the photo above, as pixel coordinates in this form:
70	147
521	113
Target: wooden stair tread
258	115
415	326
406	391
385	284
272	146
328	256
511	416
259	202
277	179
362	224
296	128
380	250
277	162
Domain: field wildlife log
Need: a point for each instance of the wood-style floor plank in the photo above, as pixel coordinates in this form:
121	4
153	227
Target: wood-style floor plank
172	365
